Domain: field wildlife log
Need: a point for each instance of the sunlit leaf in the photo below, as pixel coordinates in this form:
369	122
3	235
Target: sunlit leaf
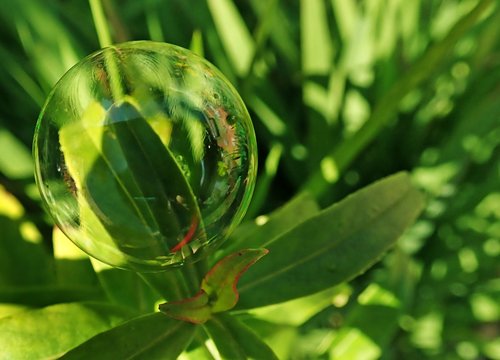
154	336
51	331
236	341
333	246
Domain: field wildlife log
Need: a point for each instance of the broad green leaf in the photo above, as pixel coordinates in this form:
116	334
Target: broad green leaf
235	341
153	336
51	331
221	281
11	309
338	244
297	312
265	228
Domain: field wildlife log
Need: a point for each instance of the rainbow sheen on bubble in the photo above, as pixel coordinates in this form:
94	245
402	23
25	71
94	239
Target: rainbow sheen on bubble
145	156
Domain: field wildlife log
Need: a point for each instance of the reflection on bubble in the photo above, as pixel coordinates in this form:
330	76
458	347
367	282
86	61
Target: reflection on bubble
145	155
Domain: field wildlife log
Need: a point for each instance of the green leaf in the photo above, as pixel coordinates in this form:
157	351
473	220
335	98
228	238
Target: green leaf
336	245
220	282
11	309
132	197
15	158
152	173
218	289
195	310
51	331
267	227
317	45
153	336
343	154
234	34
126	288
296	312
235	341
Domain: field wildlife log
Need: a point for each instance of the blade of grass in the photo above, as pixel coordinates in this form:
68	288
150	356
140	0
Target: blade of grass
264	182
347	151
234	34
105	41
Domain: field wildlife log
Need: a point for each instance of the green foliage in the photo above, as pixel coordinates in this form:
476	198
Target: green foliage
151	336
51	331
342	93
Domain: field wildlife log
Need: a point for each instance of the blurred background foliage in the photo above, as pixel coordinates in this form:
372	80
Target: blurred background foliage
341	92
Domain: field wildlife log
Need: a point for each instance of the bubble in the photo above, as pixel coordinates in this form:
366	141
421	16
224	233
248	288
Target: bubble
145	156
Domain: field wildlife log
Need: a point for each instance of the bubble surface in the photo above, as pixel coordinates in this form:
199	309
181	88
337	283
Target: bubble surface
145	155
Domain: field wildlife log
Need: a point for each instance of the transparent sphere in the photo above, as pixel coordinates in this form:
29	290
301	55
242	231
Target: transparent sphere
145	155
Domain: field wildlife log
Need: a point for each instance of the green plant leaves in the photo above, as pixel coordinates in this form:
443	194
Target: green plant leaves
220	282
195	310
343	154
236	341
339	243
266	228
218	291
51	331
153	336
115	148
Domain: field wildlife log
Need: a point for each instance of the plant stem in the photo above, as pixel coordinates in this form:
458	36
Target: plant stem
100	23
104	37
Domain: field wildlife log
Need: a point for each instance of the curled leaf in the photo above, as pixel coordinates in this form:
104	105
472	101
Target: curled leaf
220	282
195	310
218	291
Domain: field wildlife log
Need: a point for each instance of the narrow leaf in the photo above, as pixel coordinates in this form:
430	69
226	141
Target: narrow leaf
234	340
51	331
220	282
153	336
317	45
386	108
234	34
264	229
336	245
15	158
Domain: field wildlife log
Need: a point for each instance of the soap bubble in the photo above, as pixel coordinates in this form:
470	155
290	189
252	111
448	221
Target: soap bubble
145	156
